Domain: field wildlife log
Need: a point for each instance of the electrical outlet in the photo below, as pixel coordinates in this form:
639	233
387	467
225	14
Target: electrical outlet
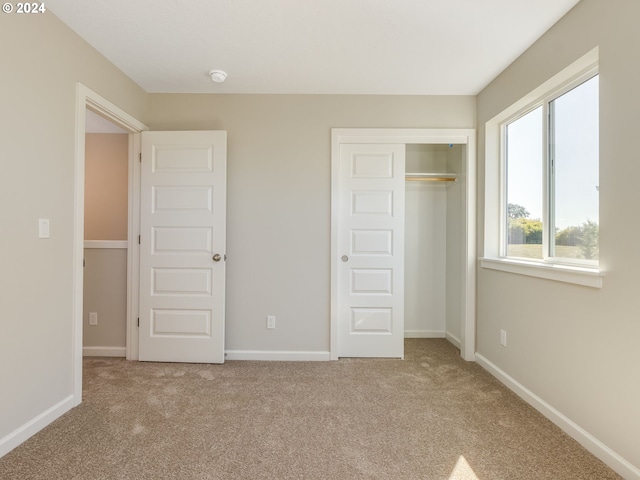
271	322
503	338
93	318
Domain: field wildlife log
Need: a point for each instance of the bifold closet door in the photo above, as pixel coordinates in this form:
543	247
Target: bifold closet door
371	250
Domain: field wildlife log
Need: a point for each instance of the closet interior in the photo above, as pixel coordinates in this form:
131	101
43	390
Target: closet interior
434	244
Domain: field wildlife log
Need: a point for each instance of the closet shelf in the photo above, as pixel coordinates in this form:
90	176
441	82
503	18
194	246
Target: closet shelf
431	177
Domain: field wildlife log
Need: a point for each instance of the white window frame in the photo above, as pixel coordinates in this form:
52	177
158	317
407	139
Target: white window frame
580	272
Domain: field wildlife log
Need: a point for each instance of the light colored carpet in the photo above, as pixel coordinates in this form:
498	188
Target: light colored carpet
431	416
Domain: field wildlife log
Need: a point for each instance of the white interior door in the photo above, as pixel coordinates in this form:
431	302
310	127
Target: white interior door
371	250
182	246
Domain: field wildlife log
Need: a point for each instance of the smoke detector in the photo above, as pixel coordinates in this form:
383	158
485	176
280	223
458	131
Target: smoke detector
218	76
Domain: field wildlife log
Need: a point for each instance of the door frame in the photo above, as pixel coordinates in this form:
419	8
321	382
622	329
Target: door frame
88	99
413	136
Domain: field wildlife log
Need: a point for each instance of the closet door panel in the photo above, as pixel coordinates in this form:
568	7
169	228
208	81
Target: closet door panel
371	242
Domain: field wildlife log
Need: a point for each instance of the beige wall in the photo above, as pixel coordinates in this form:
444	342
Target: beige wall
577	347
279	187
105	293
41	62
106	187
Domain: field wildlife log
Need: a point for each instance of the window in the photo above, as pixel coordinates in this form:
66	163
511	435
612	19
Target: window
574	167
523	186
542	180
551	178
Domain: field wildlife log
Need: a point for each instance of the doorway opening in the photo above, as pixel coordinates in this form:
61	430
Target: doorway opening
434	197
88	100
105	238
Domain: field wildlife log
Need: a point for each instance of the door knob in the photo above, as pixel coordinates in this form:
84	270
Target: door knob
345	258
217	257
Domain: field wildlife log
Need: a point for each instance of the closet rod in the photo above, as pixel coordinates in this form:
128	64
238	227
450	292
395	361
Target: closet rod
430	177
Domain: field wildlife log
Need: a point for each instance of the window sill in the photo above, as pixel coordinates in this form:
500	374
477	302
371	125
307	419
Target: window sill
589	277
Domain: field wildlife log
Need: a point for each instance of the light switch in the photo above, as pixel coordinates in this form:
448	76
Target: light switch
503	338
43	228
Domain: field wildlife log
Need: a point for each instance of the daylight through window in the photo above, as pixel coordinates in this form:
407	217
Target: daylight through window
551	178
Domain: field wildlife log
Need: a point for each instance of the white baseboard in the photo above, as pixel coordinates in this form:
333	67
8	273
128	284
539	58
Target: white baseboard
588	441
104	352
106	244
455	340
433	334
33	426
278	356
424	334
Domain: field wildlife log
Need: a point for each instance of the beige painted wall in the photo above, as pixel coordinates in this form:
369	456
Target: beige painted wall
106	186
279	186
577	347
42	60
105	293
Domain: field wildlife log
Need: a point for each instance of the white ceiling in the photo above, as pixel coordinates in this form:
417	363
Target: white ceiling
412	47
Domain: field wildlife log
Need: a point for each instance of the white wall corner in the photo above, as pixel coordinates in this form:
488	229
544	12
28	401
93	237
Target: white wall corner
424	334
33	426
104	352
575	431
453	340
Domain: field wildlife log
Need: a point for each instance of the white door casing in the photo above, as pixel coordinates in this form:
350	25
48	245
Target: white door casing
371	250
88	99
182	246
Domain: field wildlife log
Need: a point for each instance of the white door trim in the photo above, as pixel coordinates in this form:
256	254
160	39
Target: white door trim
87	98
133	250
412	136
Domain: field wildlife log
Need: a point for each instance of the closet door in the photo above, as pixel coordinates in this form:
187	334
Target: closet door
371	250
